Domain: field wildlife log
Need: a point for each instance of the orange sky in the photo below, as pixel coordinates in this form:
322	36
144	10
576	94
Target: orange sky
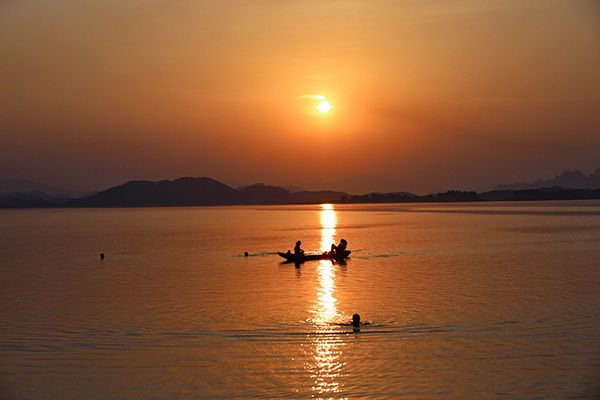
427	95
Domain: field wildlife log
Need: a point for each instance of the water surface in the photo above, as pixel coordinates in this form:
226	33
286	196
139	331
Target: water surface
487	300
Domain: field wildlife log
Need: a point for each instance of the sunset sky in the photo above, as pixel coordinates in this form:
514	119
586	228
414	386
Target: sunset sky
425	95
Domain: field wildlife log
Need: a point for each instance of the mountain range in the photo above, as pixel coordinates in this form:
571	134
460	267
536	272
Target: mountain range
209	192
181	192
23	185
568	179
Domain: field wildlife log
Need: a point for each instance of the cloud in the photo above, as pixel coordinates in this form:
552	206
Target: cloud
312	96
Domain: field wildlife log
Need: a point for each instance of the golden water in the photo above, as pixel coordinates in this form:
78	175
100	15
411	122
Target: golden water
467	301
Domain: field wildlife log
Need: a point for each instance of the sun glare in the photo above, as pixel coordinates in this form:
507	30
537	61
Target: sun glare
324	106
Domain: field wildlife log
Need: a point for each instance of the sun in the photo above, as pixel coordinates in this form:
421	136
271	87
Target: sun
324	106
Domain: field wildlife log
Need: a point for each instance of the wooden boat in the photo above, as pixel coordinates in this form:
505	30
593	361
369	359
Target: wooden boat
299	258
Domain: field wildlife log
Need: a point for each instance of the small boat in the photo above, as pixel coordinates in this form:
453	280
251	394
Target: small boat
299	258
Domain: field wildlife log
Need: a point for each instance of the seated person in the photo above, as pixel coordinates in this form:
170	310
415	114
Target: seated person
340	248
297	249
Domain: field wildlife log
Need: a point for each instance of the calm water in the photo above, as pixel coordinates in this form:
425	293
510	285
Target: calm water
468	301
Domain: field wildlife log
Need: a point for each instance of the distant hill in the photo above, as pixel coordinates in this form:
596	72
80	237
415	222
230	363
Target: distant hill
497	195
9	185
320	197
22	193
358	184
550	193
263	194
294	188
197	192
180	192
568	179
209	192
450	196
26	200
290	188
555	193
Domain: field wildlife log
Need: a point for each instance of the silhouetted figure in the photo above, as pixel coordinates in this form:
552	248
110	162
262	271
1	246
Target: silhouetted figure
102	256
340	248
356	323
245	254
297	249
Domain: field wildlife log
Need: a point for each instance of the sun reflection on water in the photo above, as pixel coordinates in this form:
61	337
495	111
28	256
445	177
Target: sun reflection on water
326	369
328	224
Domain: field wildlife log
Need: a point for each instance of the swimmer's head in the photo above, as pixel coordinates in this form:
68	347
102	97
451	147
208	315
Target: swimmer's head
355	319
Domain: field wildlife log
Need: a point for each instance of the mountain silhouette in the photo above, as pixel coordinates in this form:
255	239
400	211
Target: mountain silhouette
568	179
9	185
197	192
263	194
180	192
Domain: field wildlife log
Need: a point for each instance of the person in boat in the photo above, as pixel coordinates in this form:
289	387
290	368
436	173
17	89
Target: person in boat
297	250
340	248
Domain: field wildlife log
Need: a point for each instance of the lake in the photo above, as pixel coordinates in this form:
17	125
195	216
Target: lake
466	301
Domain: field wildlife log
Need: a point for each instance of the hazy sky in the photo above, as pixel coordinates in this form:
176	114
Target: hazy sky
426	95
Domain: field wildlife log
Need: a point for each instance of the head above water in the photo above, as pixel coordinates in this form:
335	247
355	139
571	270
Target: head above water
356	319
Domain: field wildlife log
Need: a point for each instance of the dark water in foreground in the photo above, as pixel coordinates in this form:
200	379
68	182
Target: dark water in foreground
468	301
